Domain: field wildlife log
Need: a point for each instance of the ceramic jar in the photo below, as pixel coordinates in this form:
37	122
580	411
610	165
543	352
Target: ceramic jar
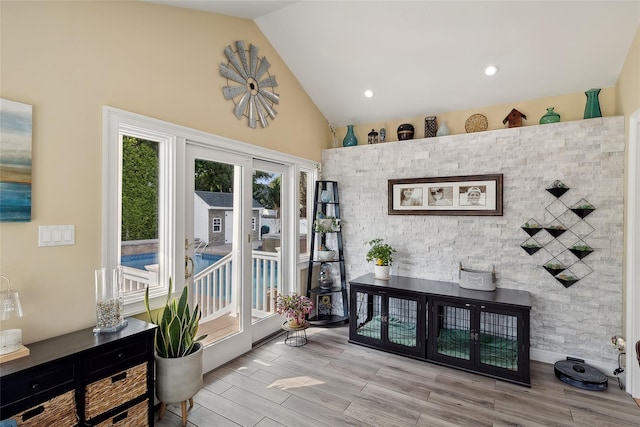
405	131
592	109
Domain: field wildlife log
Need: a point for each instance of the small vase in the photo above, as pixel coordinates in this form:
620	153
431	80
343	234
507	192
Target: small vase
430	126
325	196
443	130
383	135
550	117
592	109
405	131
350	138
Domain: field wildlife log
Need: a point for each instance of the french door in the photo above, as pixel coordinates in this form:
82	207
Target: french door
236	231
217	250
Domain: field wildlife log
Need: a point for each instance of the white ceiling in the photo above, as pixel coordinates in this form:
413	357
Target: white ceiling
428	57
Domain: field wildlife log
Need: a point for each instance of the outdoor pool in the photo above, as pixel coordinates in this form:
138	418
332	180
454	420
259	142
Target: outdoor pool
138	261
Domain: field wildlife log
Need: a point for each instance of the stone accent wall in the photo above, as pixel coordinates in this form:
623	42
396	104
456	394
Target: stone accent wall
587	155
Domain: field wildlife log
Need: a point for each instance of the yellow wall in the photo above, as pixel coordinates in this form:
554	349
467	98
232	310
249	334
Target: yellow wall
68	60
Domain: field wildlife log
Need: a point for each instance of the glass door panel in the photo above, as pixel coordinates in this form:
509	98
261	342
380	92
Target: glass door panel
269	244
215	221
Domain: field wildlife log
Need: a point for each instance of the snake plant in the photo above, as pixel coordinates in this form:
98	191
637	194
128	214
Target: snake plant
177	325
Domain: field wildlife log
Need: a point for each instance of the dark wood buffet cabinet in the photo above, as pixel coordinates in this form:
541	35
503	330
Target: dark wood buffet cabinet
440	322
83	379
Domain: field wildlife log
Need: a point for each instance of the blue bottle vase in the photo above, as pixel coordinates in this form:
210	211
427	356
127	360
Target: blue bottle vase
350	138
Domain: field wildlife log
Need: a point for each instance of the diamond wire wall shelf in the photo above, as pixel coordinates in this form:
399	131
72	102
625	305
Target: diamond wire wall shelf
568	234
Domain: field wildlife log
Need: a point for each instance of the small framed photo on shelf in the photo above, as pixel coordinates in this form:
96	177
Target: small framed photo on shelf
449	195
324	304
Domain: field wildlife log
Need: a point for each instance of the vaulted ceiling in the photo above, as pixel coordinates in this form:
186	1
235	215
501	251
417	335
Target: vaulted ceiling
428	57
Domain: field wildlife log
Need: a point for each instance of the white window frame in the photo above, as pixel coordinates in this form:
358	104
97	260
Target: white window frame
116	127
172	139
217	220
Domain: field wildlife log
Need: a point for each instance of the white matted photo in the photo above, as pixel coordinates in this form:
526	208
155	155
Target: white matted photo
452	195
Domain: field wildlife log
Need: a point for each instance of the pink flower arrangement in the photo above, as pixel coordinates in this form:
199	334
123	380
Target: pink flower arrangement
295	307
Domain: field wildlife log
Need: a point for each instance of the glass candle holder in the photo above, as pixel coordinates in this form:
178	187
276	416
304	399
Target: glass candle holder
109	300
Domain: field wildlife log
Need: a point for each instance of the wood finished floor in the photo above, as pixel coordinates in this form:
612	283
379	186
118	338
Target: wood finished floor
329	382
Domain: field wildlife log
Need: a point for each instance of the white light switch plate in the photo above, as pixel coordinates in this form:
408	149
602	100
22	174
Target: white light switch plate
56	235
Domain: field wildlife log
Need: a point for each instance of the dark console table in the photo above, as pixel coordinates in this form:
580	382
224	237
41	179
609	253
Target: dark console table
83	379
440	322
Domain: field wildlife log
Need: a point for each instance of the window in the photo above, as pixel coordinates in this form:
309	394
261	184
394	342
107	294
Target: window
216	225
305	208
142	193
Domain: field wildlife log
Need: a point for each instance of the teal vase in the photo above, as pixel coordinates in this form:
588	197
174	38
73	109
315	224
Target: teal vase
550	117
592	109
350	138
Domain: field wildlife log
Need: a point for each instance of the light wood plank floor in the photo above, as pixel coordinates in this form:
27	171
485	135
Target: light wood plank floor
329	382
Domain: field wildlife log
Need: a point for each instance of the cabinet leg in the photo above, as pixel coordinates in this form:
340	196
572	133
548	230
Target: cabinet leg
184	413
163	406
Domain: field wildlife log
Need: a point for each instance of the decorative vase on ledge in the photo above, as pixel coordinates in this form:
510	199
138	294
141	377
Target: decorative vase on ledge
592	109
550	117
350	138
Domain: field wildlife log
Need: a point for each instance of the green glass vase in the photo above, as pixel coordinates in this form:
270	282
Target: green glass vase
592	109
550	117
350	138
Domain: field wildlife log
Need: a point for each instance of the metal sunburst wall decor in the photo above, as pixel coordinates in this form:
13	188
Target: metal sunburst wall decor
255	89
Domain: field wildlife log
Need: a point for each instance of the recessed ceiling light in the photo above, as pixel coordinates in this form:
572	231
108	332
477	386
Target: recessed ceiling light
368	93
491	70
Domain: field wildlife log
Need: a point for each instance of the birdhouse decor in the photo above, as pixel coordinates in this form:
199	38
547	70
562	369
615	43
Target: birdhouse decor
514	118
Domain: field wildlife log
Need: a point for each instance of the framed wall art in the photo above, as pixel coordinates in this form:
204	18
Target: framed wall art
15	161
448	195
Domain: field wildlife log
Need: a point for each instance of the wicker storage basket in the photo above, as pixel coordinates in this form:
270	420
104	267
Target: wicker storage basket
136	416
110	392
59	411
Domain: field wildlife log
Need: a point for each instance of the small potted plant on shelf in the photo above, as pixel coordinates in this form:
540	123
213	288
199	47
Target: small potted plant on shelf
531	248
557	188
566	279
581	251
531	227
295	307
382	254
583	208
326	253
326	224
554	268
555	230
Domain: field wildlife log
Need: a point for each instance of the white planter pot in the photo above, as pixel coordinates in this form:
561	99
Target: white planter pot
381	271
327	255
179	379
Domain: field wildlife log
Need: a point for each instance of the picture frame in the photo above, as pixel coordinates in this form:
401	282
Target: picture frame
324	304
448	195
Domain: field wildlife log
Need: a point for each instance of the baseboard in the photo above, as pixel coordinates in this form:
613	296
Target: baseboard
553	357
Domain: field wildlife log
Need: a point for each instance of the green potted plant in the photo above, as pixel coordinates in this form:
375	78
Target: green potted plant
581	251
326	253
326	224
531	227
531	248
295	307
178	353
554	268
382	254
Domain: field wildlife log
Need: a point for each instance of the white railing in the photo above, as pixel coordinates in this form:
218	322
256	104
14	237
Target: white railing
134	280
212	287
213	291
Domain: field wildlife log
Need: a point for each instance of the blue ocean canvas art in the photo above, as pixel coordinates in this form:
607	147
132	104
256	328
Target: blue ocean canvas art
15	161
